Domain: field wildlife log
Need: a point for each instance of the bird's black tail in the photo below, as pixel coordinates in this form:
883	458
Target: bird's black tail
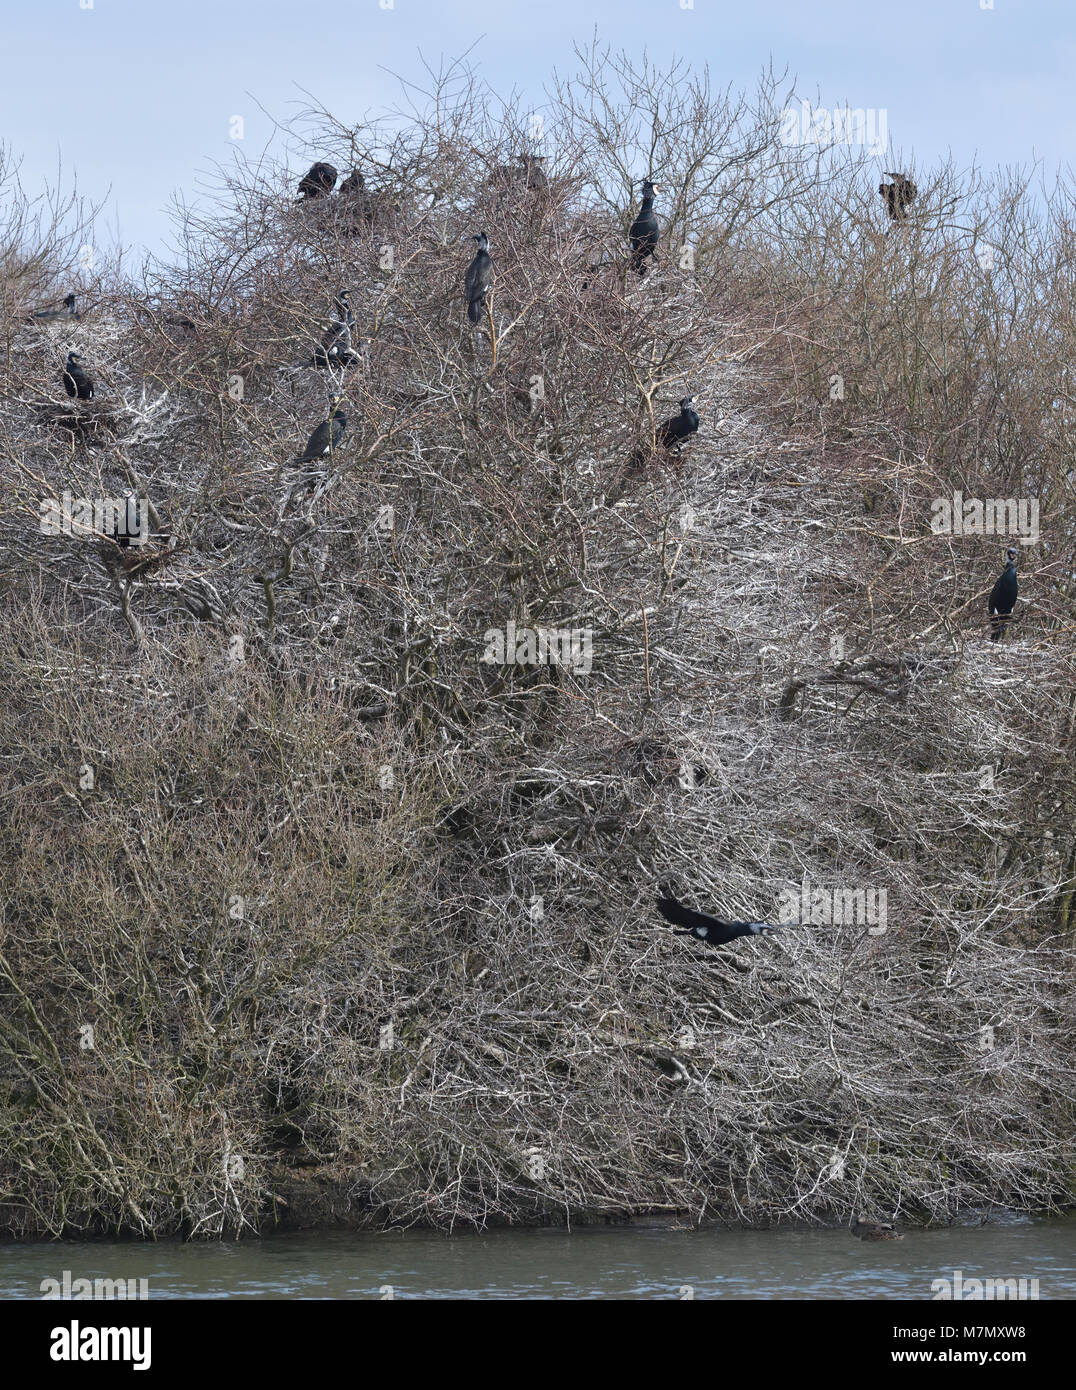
474	310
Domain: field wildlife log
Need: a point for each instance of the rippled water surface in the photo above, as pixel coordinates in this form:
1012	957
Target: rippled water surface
610	1262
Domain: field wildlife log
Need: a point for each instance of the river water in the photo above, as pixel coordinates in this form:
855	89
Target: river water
608	1262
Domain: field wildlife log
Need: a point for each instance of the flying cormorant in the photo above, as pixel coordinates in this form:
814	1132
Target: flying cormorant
76	382
1002	598
644	230
479	279
713	930
318	180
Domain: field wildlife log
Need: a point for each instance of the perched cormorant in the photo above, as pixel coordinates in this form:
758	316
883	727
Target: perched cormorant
534	176
357	203
76	382
128	528
364	207
68	311
327	436
676	430
875	1230
644	230
1002	598
318	180
336	349
713	930
898	195
479	279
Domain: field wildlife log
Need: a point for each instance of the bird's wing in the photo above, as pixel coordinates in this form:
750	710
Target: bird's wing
710	929
682	916
316	444
333	334
478	274
1002	594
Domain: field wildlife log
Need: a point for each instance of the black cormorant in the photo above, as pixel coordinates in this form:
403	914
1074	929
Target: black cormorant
318	180
1002	598
644	230
713	930
358	203
327	436
76	382
676	430
336	348
127	528
479	279
898	195
534	176
875	1230
68	311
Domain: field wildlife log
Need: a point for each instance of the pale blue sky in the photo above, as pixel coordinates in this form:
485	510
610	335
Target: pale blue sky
136	95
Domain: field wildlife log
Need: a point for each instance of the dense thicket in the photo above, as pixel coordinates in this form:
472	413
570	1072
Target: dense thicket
312	911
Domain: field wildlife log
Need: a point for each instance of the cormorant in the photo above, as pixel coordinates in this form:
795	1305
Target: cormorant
365	207
327	436
316	182
533	174
479	279
358	204
76	382
875	1230
676	430
1002	598
336	349
67	312
898	195
644	230
713	930
128	528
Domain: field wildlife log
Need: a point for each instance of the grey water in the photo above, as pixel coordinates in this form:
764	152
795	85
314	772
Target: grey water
624	1262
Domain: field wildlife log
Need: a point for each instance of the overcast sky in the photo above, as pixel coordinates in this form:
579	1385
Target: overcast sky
135	96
